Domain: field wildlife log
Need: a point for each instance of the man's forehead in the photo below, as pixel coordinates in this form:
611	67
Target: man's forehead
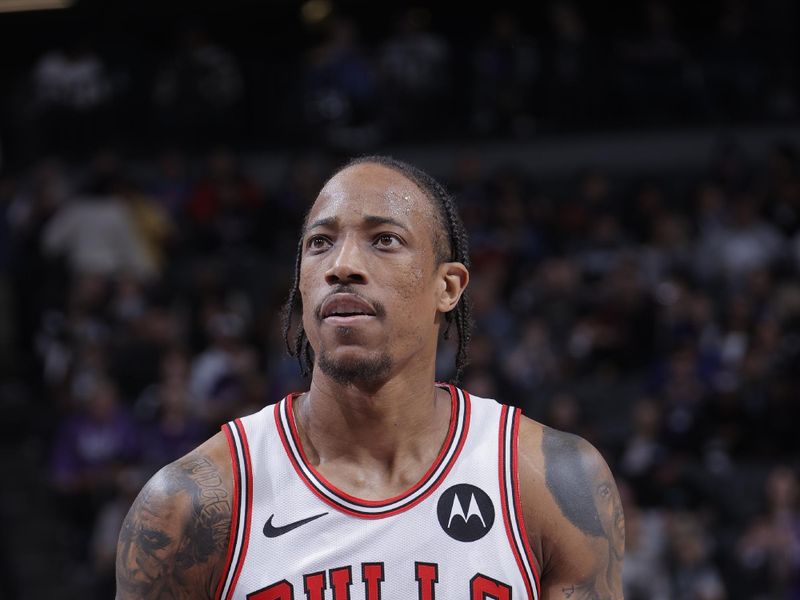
369	189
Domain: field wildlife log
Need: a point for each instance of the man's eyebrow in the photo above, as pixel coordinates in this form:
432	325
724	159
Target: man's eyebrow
326	222
371	220
375	220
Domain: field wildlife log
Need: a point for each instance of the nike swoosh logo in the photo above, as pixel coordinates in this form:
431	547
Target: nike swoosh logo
271	531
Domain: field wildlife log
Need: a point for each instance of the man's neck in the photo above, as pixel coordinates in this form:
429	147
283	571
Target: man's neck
390	431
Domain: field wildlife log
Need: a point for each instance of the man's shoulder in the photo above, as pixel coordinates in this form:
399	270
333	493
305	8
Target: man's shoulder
537	440
179	527
212	455
570	502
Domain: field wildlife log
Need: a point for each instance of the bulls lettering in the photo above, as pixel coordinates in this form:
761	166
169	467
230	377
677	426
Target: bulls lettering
486	588
427	576
372	576
314	586
282	590
340	580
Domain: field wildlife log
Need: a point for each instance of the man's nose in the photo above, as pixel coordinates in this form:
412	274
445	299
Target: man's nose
348	263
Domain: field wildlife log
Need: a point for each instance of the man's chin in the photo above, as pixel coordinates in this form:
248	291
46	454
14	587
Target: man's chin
355	370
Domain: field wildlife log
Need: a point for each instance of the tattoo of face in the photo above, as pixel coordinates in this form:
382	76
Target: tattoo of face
163	539
587	495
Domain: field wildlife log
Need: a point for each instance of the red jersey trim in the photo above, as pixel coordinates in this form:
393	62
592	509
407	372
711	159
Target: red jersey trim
518	500
234	512
243	491
509	499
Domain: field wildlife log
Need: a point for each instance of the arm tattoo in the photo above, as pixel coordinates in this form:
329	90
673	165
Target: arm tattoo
587	496
568	481
175	529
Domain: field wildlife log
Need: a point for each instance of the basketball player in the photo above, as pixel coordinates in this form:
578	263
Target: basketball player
378	483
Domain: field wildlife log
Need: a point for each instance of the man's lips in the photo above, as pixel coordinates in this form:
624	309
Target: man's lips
343	306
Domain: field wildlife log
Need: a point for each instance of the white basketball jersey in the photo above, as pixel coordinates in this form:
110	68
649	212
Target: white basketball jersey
456	534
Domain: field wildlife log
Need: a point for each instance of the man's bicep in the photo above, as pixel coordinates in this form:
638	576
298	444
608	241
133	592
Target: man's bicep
587	553
175	533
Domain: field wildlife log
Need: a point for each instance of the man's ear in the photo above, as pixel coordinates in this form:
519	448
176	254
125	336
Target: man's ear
454	280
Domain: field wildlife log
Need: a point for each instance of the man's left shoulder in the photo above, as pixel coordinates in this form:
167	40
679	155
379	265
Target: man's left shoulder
576	515
570	469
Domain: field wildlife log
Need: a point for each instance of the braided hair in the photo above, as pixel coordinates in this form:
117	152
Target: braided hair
450	245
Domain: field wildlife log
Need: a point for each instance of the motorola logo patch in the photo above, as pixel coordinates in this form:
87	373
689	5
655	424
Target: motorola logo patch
465	512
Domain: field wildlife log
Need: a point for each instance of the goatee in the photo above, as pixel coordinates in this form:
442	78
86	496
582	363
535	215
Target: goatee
362	371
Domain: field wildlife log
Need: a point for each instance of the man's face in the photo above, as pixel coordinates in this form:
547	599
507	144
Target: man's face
368	277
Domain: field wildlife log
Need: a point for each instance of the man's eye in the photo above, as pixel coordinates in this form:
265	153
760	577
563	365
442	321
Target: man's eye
387	240
318	242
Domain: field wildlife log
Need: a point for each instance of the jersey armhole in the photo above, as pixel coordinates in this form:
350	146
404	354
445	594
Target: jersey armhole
241	505
511	503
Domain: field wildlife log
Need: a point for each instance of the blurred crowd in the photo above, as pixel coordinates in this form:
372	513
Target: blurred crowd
143	264
658	317
349	81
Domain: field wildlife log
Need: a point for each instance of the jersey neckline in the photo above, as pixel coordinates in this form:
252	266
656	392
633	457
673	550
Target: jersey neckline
375	509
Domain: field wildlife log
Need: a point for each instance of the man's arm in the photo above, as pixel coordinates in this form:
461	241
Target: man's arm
573	515
174	539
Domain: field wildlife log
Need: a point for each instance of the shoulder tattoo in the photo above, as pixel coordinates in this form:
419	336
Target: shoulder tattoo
175	529
569	481
585	492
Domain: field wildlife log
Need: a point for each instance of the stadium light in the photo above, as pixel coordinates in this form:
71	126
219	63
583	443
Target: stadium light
26	5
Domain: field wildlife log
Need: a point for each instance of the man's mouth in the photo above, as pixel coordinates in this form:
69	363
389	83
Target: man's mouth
345	308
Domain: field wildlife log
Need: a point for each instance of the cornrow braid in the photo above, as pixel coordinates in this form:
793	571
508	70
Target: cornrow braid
451	245
299	346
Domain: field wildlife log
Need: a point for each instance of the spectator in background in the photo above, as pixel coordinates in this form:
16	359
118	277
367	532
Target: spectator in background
769	550
95	233
90	448
152	224
667	249
570	69
219	374
414	75
172	184
224	206
147	324
506	70
694	575
39	195
529	362
734	78
509	231
175	430
644	453
199	90
106	528
645	575
565	414
744	242
72	92
340	89
659	75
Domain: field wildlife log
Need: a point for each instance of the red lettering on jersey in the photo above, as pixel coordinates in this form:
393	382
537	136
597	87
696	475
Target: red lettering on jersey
372	575
314	586
341	579
427	574
282	590
482	587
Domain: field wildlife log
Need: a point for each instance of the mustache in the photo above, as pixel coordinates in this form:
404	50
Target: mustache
380	309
